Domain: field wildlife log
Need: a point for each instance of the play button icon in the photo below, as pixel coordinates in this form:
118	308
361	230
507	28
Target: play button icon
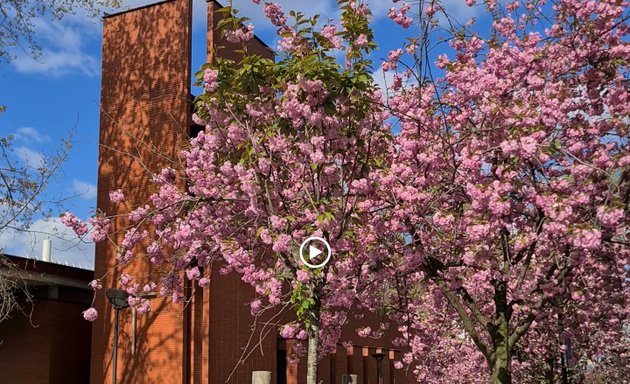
316	246
313	252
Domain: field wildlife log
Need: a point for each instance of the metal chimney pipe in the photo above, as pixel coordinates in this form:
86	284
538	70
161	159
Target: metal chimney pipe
46	250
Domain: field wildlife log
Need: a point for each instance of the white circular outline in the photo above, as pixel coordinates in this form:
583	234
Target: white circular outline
323	263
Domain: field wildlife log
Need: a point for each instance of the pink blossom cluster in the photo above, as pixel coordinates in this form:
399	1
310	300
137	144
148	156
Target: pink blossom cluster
273	11
331	33
96	284
400	15
101	226
239	35
210	80
90	314
361	41
116	196
71	221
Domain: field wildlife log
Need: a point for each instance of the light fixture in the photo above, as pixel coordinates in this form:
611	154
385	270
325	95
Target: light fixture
118	298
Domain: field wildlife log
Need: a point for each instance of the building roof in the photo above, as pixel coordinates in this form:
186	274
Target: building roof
37	272
108	15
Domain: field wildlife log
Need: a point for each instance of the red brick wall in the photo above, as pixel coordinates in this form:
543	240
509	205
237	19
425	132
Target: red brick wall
217	45
52	347
145	104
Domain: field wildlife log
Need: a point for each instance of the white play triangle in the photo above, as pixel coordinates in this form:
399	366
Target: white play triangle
313	252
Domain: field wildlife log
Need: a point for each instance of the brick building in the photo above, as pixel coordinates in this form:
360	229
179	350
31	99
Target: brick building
47	342
146	112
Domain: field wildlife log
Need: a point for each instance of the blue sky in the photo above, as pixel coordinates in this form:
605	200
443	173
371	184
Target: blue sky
59	92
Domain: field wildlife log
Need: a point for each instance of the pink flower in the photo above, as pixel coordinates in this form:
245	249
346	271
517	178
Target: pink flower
609	217
361	41
442	61
204	282
100	228
210	80
70	220
274	13
125	279
138	214
278	223
240	34
330	33
198	120
625	160
154	251
400	17
90	314
193	273
282	243
303	276
144	307
116	196
395	54
289	331
589	239
301	335
167	175
96	284
255	307
528	145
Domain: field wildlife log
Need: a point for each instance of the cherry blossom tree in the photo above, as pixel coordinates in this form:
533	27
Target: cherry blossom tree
510	183
283	142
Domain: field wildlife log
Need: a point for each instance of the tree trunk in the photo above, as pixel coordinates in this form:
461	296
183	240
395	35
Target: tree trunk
549	370
311	361
501	366
501	357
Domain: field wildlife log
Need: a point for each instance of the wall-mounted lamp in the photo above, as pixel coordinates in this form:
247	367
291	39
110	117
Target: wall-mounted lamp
118	298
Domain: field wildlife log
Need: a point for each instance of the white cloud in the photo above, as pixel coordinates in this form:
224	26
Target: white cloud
62	50
57	63
459	11
30	134
67	248
383	79
85	190
31	158
379	8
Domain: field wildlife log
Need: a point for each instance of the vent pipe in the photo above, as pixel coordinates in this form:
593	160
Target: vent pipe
46	248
